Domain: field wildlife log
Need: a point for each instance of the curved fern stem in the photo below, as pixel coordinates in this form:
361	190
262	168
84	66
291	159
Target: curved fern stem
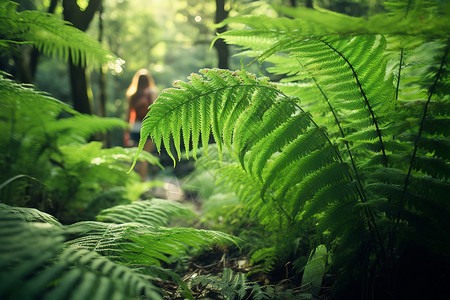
419	134
399	74
408	7
18	177
281	209
341	131
373	228
369	107
372	224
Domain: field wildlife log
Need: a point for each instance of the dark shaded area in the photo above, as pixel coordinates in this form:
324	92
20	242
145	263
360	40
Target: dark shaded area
221	46
82	101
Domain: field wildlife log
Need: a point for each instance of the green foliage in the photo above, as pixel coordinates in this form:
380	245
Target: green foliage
46	162
229	285
353	140
43	149
36	264
269	118
86	258
315	269
234	205
136	244
277	145
50	35
29	215
148	212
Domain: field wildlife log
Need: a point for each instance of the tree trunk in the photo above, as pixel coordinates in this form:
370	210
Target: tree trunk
105	137
221	46
102	74
81	93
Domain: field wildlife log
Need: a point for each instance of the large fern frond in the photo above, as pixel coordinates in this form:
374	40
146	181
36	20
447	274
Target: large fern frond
270	136
341	70
287	171
382	92
50	35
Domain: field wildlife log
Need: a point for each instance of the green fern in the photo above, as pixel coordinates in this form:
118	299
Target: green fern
367	83
30	215
229	285
40	150
137	244
86	174
275	145
232	285
36	264
50	35
149	212
90	258
377	178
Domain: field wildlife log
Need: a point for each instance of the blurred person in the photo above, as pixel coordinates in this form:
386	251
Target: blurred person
140	95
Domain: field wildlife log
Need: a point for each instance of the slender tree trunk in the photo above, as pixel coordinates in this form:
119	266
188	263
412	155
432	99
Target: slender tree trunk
82	101
102	83
81	93
221	46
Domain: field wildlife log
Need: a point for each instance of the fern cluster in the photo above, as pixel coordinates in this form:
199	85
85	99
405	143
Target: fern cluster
44	149
354	138
231	285
40	258
46	162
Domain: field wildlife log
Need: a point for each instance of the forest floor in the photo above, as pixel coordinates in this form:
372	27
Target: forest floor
213	262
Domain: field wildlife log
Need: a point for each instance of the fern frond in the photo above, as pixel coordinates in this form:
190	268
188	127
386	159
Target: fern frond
229	284
35	264
155	212
273	140
30	214
12	92
339	67
52	36
265	255
81	127
138	244
40	114
98	277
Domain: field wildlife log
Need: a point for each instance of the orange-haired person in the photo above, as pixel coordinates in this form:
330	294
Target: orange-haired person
140	95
